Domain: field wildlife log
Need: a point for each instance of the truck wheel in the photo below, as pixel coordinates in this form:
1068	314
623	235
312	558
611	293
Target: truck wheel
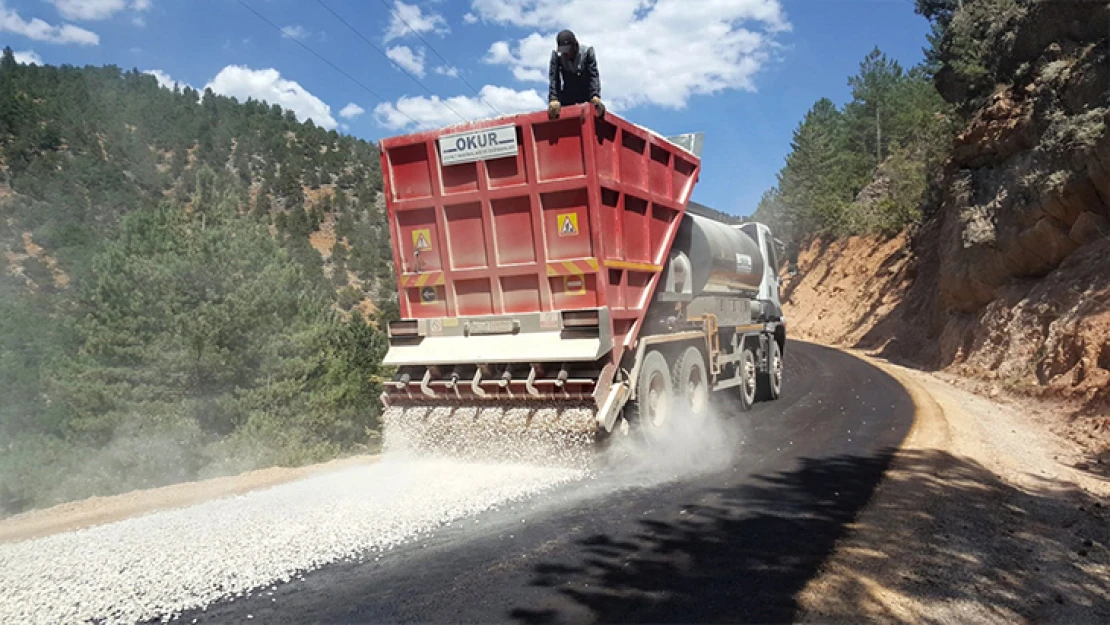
654	396
748	379
692	384
770	383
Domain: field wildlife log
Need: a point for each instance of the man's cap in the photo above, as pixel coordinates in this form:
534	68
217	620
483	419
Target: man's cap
566	41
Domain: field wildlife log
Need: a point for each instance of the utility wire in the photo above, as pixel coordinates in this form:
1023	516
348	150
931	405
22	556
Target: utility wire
395	64
445	61
333	65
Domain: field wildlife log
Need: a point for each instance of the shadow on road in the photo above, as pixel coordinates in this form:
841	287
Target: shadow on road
728	560
745	554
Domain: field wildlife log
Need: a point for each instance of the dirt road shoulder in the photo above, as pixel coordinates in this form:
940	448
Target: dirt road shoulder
979	519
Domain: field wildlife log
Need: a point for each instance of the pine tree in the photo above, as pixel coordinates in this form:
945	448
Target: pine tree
872	88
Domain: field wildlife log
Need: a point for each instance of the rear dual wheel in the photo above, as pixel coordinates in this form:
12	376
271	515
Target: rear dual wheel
749	379
665	393
654	395
770	383
692	384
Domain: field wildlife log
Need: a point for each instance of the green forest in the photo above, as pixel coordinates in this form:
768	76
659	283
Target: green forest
163	316
865	167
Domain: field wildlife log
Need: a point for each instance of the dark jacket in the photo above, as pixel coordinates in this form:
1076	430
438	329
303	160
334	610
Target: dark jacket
574	81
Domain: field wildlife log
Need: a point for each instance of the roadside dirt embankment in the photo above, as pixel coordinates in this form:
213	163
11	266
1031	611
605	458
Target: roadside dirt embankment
1006	284
1042	342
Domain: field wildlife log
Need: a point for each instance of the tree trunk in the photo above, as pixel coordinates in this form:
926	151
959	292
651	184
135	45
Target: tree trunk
878	138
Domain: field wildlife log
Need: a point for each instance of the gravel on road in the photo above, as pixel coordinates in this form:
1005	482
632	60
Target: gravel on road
161	564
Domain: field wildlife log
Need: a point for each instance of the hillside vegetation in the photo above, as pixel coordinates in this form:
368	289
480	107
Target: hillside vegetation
1001	272
863	167
163	315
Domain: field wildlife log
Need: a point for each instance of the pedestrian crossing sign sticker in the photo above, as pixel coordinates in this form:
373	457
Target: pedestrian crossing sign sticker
568	224
422	240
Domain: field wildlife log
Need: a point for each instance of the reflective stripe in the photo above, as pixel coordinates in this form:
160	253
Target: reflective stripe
576	267
417	280
622	264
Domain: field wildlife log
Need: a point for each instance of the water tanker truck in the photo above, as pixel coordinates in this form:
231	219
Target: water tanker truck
556	283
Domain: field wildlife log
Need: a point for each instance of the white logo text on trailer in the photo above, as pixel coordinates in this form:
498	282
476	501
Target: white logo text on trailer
478	145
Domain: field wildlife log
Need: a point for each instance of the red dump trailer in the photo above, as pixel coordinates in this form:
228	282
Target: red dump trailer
550	261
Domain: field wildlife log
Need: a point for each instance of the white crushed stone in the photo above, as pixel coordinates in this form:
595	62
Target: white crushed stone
157	566
549	435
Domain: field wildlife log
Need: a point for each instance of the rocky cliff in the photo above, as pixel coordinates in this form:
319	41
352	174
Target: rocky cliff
1008	278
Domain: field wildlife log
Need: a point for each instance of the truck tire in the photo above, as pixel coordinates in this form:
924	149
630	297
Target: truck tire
770	383
692	385
654	397
749	381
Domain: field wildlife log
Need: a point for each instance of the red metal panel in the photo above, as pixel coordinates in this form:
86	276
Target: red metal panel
559	149
466	237
521	293
460	178
583	215
512	227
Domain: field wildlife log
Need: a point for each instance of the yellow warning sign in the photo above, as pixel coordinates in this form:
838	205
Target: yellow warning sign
574	285
568	224
422	240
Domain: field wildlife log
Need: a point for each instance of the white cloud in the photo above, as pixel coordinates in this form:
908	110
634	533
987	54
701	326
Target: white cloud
98	9
295	31
267	84
451	72
470	18
351	111
88	9
658	53
163	78
411	61
27	57
416	19
500	53
39	30
139	21
431	112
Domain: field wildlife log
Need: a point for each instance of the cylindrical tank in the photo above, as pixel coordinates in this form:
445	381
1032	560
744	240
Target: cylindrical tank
723	260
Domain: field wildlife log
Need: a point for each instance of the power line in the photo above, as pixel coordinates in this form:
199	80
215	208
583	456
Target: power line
397	65
333	65
445	61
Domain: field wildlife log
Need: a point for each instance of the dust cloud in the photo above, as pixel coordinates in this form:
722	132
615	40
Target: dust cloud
543	436
684	447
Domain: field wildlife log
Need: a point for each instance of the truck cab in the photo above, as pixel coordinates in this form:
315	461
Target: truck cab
770	286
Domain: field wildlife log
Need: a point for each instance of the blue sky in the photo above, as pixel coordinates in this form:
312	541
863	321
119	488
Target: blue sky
742	71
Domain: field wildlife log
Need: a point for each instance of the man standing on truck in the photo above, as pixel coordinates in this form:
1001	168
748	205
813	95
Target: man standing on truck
572	77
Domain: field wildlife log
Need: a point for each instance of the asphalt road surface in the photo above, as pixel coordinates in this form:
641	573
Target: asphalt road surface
734	544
